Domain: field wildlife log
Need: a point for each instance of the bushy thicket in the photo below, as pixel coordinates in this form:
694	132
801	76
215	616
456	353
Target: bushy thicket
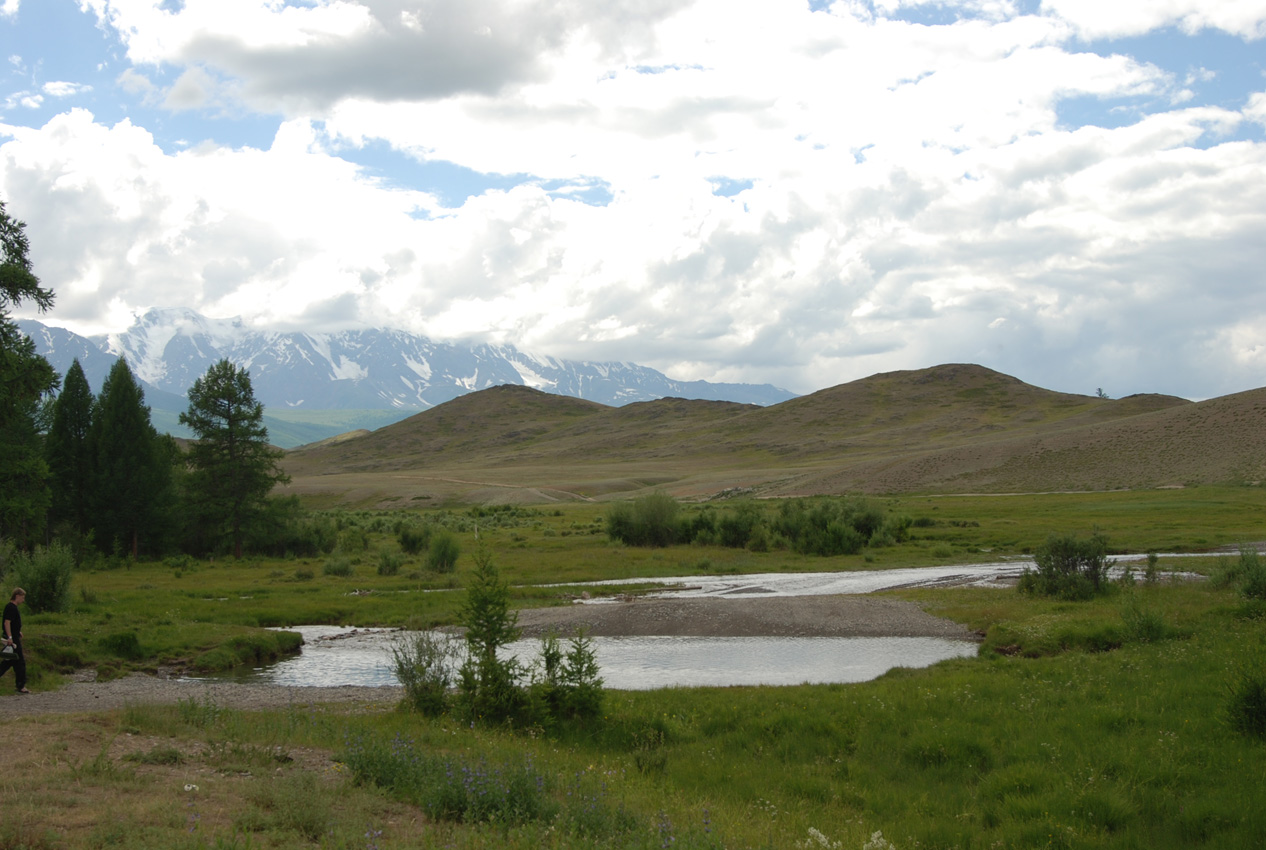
1069	567
820	526
45	575
647	521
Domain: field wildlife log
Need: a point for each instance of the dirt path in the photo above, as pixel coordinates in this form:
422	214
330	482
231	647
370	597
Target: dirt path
801	616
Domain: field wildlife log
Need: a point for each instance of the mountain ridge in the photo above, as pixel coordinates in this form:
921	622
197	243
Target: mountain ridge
370	369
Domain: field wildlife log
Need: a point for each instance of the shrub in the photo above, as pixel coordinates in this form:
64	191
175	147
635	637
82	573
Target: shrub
1069	567
45	576
1246	706
569	682
389	563
122	644
424	663
443	553
646	521
337	565
1152	572
1252	571
414	539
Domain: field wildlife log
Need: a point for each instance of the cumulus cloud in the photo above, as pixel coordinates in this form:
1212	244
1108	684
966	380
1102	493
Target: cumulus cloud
1096	19
899	195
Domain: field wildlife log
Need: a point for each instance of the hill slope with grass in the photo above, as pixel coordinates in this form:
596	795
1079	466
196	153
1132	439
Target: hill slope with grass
952	428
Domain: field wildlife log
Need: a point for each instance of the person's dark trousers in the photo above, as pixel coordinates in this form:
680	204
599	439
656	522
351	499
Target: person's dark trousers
18	663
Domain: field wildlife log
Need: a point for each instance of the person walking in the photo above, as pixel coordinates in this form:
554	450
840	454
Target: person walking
12	627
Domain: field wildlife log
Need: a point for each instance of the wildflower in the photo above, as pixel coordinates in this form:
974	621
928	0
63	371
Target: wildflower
878	842
191	787
817	839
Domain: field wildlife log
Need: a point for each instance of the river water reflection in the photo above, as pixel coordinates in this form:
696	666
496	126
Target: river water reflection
334	656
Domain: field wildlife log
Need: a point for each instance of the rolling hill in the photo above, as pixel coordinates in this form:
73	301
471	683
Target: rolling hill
952	428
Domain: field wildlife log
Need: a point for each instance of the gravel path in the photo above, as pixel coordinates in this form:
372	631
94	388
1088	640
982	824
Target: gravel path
800	616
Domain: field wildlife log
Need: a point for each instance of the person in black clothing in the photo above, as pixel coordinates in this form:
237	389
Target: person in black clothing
13	637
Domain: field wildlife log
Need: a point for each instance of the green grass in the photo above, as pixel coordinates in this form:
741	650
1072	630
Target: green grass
209	615
1073	746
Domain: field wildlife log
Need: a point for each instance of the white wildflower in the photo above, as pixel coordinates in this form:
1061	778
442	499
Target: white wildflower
817	839
878	842
191	787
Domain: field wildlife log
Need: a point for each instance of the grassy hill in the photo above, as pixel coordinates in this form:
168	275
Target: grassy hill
952	428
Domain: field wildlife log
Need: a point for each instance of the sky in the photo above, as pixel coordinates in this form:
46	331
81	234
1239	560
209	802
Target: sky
802	193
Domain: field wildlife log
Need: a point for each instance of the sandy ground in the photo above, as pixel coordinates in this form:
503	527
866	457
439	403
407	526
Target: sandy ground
803	616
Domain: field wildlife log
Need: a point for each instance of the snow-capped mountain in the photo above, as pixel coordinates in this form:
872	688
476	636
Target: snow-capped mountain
371	369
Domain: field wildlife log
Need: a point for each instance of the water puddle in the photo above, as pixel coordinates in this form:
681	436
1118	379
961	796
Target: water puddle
334	656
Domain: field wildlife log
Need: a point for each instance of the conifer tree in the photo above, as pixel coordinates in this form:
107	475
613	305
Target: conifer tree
132	469
24	378
233	468
69	451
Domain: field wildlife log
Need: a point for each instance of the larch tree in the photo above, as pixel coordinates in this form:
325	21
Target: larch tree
232	466
132	468
25	377
69	451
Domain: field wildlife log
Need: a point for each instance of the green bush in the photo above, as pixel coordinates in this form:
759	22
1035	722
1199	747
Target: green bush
1252	572
45	576
646	521
424	663
337	565
413	539
1069	567
389	563
123	644
443	553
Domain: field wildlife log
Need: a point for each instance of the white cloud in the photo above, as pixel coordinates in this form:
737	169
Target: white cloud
1097	19
64	89
911	195
9	8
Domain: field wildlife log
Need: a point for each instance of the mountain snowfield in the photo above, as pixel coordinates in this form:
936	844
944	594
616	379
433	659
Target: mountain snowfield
373	369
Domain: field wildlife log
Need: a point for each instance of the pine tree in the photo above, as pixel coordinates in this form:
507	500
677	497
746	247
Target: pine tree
132	476
69	451
233	468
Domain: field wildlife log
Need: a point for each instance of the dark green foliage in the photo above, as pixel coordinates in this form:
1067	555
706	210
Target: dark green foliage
489	685
123	644
337	565
45	575
825	526
69	452
649	520
283	528
569	683
413	539
132	467
233	466
24	494
443	552
1246	705
24	378
1252	574
1069	567
737	528
389	563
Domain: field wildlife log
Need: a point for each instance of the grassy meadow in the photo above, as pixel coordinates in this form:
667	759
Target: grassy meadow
1081	724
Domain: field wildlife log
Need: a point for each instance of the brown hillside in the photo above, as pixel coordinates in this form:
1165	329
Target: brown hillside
953	428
